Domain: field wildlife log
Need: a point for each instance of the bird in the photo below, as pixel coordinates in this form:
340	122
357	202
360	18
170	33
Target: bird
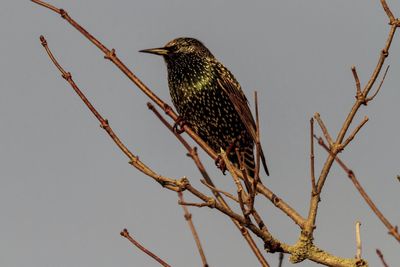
210	100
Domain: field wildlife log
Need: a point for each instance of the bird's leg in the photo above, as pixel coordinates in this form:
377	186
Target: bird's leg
179	124
219	162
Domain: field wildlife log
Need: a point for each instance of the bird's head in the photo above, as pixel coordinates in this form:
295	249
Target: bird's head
180	47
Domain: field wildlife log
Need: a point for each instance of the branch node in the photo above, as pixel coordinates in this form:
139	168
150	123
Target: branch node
104	124
67	76
111	54
385	52
63	13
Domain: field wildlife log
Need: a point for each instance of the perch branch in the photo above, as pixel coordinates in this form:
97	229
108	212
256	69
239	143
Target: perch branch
192	152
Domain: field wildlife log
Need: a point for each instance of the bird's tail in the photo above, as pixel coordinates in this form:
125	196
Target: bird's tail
250	163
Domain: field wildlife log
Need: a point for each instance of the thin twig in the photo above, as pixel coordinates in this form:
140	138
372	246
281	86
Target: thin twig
198	205
312	161
358	241
393	230
388	12
380	255
368	99
323	128
228	195
188	217
126	234
356	79
240	192
356	130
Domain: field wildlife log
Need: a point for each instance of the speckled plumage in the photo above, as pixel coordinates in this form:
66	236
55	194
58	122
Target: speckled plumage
208	97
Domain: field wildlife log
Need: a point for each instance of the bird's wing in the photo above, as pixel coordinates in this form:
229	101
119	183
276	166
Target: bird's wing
232	88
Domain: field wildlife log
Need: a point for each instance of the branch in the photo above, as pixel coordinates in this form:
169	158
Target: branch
323	128
212	188
188	217
337	146
393	230
312	162
382	258
134	160
356	79
358	241
388	12
379	87
192	152
126	234
356	130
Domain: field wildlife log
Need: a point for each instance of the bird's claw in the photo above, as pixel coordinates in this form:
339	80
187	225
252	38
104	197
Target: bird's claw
178	125
220	163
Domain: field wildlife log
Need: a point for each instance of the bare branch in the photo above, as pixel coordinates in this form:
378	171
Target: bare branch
192	152
356	130
379	87
380	255
134	160
356	79
240	192
210	204
388	12
336	147
228	195
393	230
312	162
358	241
126	234
324	129
188	217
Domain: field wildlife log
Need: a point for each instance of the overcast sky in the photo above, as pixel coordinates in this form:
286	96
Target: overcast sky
66	191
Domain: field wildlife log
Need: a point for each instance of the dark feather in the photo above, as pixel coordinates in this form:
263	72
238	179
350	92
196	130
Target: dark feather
232	88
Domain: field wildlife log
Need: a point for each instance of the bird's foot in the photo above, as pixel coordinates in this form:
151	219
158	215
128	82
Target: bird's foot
219	160
179	124
220	163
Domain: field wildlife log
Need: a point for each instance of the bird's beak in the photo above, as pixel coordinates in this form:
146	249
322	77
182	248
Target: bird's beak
161	51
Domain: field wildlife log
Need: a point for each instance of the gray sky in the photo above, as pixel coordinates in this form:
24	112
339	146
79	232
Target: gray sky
66	190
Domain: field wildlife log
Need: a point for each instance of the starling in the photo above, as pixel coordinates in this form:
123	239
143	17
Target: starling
208	98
